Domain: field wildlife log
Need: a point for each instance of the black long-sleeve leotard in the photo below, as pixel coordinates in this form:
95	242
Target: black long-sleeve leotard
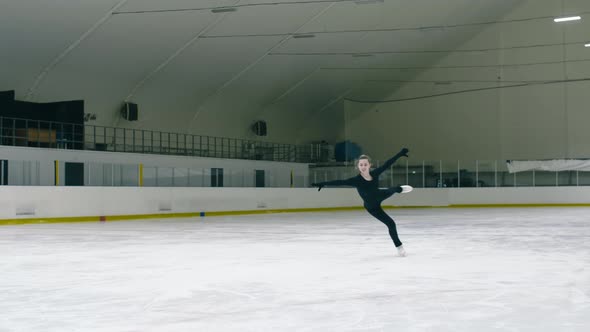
368	190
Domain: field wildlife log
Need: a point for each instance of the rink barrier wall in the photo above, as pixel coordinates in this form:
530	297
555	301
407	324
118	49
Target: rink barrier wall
98	219
46	204
22	221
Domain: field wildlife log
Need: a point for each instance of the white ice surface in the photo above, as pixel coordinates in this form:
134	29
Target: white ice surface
467	270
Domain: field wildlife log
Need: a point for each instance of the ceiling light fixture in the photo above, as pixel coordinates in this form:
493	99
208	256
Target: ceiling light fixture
367	2
304	35
224	10
587	45
566	19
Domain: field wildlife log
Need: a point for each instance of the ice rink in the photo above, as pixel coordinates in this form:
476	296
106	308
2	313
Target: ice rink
497	269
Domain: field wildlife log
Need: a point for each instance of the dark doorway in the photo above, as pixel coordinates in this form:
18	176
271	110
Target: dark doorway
259	178
74	174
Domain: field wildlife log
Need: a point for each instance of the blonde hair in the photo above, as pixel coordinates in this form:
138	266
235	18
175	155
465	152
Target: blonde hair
362	156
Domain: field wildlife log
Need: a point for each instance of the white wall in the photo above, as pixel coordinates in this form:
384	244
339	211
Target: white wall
530	122
53	202
278	173
326	124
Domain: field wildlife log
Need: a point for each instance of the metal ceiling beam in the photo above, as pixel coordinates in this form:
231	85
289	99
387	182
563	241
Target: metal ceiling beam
199	108
70	48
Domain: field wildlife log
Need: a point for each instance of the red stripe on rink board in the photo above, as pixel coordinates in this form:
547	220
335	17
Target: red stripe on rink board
102	218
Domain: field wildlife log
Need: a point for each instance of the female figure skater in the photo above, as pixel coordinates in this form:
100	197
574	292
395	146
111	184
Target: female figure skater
367	185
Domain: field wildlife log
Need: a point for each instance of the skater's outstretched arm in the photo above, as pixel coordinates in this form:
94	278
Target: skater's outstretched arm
347	182
377	171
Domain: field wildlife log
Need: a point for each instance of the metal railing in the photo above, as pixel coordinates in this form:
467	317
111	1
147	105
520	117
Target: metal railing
456	174
420	174
60	135
425	174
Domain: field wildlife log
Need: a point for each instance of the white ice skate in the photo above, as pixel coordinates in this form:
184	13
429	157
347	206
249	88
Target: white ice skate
406	189
401	252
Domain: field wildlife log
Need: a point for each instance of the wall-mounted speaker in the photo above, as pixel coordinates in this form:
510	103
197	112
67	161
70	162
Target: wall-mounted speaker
259	128
129	111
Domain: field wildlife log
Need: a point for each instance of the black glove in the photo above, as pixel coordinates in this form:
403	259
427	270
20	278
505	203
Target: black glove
404	152
320	186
